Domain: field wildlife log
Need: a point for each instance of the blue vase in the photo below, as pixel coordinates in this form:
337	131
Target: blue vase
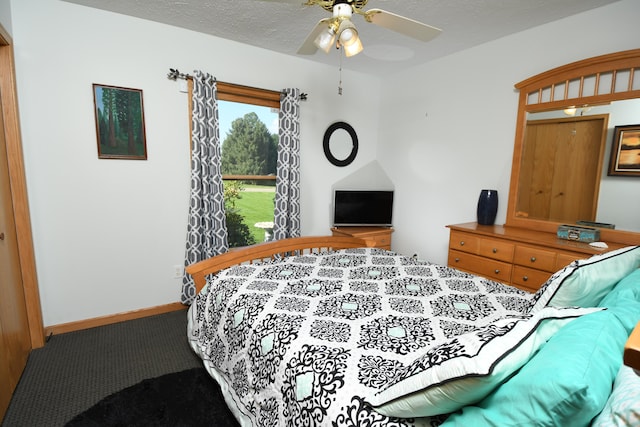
487	207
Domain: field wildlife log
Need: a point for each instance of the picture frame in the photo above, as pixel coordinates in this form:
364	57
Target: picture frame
120	127
625	151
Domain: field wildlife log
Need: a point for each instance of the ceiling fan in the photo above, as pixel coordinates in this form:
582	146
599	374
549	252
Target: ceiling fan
339	30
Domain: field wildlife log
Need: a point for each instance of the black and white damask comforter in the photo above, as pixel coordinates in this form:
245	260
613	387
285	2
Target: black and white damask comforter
310	340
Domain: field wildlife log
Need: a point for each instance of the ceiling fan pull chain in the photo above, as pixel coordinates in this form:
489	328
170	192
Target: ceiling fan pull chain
340	82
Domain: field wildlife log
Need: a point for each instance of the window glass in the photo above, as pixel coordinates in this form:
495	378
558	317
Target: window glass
249	136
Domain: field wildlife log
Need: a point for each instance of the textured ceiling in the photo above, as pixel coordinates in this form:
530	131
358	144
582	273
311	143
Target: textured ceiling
282	25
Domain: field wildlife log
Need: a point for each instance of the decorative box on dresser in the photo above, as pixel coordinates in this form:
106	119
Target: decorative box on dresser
516	256
380	236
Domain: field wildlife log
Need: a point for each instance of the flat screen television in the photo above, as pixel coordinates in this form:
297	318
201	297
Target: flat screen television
362	208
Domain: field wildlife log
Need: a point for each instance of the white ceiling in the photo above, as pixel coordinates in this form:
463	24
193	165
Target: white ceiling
282	25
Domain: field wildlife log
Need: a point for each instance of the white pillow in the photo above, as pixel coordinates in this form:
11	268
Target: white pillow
623	406
466	368
585	282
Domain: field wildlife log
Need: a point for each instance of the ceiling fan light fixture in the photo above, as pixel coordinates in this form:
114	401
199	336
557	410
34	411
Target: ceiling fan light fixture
354	48
349	39
339	31
343	10
325	39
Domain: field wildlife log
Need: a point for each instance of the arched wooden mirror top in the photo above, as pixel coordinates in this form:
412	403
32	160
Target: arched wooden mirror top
591	82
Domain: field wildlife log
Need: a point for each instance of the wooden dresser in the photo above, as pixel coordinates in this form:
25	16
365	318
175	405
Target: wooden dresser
381	236
516	256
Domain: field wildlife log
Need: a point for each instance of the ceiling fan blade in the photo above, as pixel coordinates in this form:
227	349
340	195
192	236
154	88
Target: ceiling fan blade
308	46
402	25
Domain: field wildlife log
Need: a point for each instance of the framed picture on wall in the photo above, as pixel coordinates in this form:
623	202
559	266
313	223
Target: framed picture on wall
119	122
625	151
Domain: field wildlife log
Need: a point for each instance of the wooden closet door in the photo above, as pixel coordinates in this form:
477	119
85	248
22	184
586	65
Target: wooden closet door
550	187
15	340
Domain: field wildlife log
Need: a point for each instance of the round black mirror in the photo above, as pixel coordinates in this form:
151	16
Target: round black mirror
340	144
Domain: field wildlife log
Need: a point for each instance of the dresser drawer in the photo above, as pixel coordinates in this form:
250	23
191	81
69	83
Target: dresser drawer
537	258
381	240
492	269
522	258
496	249
464	242
564	259
529	278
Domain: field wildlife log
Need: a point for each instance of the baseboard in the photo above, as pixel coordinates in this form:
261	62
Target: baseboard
113	318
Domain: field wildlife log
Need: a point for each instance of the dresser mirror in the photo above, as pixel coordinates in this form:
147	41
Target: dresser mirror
599	93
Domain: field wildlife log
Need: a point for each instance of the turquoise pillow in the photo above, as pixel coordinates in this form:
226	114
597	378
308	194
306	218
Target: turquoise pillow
630	283
624	302
566	383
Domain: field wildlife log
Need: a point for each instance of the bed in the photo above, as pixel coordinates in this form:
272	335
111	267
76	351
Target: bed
326	331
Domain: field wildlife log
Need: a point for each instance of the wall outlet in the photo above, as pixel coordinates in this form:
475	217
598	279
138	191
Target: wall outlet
178	271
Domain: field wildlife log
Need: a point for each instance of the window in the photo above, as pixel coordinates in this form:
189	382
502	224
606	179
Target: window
248	120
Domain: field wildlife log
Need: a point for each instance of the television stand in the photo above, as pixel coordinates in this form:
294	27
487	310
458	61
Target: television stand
381	236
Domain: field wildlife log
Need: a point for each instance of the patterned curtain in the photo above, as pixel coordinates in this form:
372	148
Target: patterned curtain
287	209
207	228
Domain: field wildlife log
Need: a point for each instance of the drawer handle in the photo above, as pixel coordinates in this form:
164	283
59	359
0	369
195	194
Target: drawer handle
497	271
462	243
457	260
525	278
533	259
495	250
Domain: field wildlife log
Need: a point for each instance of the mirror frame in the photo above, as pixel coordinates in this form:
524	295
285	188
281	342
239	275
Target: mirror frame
553	90
326	144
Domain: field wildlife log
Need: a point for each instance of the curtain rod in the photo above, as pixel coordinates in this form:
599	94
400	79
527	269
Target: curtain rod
174	74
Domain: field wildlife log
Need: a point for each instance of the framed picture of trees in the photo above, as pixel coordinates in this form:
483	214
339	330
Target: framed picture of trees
119	122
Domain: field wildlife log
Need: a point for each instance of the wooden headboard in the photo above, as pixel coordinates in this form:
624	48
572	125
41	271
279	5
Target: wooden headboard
269	250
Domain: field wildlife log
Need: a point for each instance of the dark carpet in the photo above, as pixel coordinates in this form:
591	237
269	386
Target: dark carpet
76	370
187	398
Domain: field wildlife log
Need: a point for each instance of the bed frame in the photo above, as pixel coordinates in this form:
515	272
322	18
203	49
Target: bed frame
632	350
269	250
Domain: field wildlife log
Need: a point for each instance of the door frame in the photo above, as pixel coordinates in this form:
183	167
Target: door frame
19	189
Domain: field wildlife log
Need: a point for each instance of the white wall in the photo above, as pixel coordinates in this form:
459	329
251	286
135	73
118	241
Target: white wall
107	232
5	15
447	128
